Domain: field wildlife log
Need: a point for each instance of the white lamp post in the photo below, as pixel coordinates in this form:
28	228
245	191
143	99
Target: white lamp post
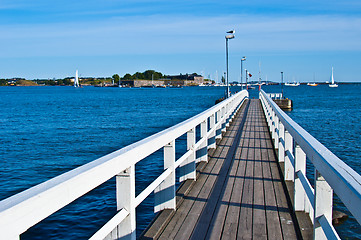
230	36
242	59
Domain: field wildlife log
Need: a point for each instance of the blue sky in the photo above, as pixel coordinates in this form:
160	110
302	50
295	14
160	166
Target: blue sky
51	39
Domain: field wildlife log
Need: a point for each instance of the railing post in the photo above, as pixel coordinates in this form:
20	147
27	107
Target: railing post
232	110
227	114
273	121
276	122
281	146
269	115
164	194
308	206
323	205
219	128
224	119
289	169
202	152
299	192
187	169
125	189
212	136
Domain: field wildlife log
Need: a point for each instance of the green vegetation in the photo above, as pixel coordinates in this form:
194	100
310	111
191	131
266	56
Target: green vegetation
116	78
147	75
26	83
3	82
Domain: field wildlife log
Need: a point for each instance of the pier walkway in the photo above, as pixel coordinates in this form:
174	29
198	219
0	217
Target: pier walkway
243	190
239	193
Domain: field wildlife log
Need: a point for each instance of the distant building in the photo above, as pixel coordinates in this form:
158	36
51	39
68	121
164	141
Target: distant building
143	83
187	79
176	80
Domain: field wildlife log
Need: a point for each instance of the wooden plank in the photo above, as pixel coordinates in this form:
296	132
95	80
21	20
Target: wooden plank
273	222
178	219
176	224
213	224
231	221
192	218
259	213
246	214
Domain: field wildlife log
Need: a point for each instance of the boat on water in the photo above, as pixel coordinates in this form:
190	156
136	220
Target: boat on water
294	84
312	84
333	84
76	80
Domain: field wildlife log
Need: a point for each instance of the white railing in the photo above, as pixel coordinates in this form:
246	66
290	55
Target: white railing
294	144
24	210
275	95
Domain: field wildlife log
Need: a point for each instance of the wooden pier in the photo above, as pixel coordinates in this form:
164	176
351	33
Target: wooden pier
239	193
243	177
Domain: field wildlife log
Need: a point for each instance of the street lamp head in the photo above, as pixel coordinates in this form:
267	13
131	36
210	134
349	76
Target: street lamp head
230	36
232	31
243	59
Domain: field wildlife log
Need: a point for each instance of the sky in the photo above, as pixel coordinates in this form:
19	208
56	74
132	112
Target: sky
304	39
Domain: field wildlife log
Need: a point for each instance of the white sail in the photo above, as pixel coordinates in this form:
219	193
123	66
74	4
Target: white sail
332	79
333	84
76	80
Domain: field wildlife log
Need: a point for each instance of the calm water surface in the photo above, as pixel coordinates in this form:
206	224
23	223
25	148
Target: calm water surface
46	131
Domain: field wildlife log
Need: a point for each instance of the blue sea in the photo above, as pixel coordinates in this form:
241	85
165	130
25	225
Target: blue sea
46	131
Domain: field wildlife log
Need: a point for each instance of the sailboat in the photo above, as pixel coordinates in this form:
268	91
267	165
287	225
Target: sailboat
314	84
76	80
333	84
294	84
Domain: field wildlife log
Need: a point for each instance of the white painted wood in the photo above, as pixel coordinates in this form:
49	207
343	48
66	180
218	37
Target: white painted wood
110	226
219	126
125	192
281	144
223	110
323	205
228	112
151	187
164	194
307	188
184	158
273	124
187	169
329	231
203	148
344	181
24	210
212	122
289	170
299	190
276	138
291	158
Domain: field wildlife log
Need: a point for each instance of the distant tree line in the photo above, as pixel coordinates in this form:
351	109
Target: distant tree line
3	82
147	75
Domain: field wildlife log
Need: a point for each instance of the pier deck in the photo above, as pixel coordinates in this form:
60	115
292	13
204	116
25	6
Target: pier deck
239	193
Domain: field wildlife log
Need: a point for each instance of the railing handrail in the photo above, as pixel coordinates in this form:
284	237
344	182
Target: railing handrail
25	209
345	182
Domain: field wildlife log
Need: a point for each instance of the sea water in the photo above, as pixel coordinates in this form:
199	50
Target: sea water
46	131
